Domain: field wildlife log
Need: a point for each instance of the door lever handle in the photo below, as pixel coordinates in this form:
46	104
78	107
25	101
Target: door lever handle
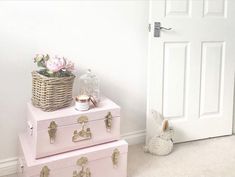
158	28
163	28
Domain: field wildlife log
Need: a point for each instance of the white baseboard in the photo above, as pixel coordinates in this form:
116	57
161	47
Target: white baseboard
9	166
135	137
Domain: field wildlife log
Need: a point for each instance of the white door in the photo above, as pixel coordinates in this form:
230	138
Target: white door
191	67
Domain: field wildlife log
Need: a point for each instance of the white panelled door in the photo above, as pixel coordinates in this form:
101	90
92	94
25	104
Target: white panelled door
191	67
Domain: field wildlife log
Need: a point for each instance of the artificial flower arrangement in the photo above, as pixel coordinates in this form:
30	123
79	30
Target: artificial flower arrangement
54	66
52	84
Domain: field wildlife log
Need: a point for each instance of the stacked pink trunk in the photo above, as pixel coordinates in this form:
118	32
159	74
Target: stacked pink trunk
68	143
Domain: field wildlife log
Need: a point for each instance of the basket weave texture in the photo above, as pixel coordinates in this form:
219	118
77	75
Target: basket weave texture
51	93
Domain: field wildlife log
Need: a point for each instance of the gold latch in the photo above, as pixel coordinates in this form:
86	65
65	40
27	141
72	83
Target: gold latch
82	161
84	133
84	172
82	119
108	121
45	172
115	157
52	131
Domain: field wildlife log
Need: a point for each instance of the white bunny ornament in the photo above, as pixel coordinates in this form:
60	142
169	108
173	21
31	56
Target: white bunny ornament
161	143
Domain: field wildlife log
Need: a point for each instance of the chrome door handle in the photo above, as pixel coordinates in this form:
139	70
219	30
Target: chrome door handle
158	28
163	28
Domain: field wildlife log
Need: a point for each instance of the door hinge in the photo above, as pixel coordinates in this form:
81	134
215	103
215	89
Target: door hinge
149	27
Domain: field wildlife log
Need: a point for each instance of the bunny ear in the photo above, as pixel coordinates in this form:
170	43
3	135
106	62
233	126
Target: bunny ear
165	125
160	116
157	116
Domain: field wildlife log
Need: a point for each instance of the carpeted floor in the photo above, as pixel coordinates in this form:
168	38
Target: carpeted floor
206	158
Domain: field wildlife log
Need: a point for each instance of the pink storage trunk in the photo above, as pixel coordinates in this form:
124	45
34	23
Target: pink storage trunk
67	129
106	160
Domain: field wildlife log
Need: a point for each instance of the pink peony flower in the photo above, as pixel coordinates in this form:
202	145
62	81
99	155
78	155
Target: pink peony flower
56	64
69	65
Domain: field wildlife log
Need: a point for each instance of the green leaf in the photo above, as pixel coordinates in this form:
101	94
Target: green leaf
47	57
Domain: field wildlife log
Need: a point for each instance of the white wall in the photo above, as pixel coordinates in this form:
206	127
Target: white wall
109	37
234	104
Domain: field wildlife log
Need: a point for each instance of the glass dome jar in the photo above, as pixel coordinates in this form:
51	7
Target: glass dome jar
89	85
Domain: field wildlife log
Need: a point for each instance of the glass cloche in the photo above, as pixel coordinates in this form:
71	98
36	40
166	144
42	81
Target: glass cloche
89	85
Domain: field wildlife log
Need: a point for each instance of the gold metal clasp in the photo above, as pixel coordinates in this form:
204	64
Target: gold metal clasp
82	161
84	172
52	131
108	121
84	133
115	157
45	172
82	119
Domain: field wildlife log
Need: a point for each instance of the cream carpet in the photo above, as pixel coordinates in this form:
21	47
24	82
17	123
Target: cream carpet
206	158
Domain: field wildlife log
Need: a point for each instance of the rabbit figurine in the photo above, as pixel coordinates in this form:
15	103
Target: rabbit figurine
162	143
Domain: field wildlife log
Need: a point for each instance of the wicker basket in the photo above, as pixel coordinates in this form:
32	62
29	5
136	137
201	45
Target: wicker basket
51	93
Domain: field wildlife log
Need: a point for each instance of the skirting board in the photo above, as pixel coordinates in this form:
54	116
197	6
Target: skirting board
135	137
9	166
